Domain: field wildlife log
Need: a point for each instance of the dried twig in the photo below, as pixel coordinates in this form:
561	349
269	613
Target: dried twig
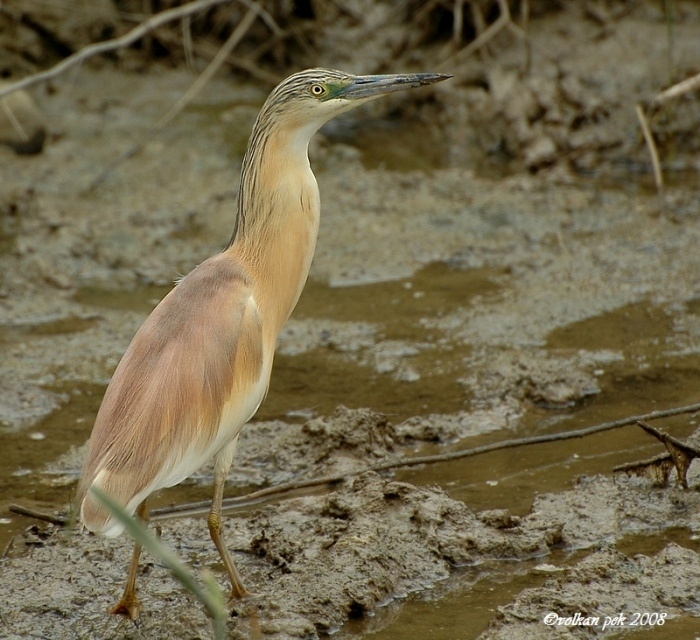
265	15
457	20
106	46
38	515
8	548
208	50
681	453
196	87
187	42
198	508
502	22
16	125
486	34
653	151
659	468
678	89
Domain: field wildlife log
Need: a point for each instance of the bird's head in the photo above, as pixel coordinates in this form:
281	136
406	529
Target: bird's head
310	98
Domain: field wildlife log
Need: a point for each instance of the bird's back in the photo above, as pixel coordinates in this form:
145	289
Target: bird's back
194	373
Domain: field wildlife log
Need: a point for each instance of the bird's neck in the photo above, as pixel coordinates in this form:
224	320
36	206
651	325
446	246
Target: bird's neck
278	217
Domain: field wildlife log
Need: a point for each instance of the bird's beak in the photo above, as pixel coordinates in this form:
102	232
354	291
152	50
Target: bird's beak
371	86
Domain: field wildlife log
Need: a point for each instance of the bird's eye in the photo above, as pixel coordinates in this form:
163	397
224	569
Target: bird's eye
317	90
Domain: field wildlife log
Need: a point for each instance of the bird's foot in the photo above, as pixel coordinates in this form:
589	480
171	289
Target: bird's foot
239	593
128	606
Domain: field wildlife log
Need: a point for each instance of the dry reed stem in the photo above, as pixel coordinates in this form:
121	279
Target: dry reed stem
106	46
503	21
235	37
677	90
16	124
653	151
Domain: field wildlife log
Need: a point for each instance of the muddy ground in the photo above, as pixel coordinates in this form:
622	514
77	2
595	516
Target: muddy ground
446	307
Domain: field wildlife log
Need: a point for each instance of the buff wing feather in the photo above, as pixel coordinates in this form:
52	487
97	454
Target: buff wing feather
189	379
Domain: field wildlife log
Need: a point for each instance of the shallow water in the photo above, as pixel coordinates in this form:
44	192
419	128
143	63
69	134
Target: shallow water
462	608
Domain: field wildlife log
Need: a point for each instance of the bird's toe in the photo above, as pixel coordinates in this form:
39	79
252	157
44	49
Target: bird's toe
128	606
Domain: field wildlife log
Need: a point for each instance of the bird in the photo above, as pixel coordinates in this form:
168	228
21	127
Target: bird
198	368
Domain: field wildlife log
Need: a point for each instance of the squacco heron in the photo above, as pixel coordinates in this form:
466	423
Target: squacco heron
198	368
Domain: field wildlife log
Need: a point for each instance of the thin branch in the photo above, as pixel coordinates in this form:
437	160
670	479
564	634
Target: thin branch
16	125
653	151
187	42
106	46
38	515
235	37
197	508
685	86
265	15
524	14
207	50
659	468
457	21
503	20
228	46
681	452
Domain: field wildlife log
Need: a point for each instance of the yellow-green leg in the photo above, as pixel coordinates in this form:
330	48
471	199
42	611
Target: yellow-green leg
129	604
222	465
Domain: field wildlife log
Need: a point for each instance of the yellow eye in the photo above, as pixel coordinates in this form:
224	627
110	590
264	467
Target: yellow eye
317	90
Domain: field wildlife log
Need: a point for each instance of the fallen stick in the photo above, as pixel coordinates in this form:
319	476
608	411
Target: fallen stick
653	151
198	508
206	75
678	89
38	515
106	46
681	452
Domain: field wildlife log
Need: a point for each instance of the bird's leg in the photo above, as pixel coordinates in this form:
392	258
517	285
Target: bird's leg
222	465
129	604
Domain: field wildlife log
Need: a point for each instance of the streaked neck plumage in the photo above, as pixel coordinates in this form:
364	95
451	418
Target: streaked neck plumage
278	212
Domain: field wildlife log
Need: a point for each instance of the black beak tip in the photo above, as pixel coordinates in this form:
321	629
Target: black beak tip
423	79
432	78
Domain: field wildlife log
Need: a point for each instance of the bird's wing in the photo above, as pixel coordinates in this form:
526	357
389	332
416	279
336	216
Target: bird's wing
191	377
